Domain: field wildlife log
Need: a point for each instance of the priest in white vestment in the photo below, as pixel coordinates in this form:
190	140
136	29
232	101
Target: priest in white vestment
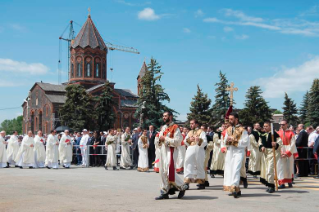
66	150
52	151
143	145
219	152
194	171
285	163
3	152
13	148
39	150
25	156
110	145
83	146
126	141
170	138
181	150
236	140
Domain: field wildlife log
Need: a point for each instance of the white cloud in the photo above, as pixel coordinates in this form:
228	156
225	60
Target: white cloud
290	80
240	15
8	65
313	11
5	83
285	26
127	3
199	13
186	30
17	27
148	14
228	29
241	37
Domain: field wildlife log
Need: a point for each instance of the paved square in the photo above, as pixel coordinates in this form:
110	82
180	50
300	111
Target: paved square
94	189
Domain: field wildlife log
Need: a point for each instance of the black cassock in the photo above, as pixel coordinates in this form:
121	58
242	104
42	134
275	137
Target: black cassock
302	141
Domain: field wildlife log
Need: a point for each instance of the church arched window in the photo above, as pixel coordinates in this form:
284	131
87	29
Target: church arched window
72	70
79	67
88	69
97	71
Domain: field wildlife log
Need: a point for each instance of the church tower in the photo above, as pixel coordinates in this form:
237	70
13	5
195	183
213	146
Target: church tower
140	76
88	57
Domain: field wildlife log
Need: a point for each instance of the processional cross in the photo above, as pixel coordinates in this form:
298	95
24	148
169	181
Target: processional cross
231	90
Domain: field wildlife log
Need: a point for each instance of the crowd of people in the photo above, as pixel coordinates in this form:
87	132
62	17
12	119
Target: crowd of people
232	150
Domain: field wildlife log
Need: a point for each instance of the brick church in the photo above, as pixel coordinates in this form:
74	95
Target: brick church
88	67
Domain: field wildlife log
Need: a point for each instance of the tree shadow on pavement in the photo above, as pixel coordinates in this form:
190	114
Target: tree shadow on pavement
260	195
293	191
198	198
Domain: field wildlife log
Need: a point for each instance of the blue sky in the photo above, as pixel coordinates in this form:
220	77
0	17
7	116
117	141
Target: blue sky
273	44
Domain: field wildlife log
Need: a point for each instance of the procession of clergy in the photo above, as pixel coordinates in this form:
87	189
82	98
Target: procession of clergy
177	150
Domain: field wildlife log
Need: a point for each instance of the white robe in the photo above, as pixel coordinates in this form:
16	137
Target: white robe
12	149
181	150
25	156
157	154
126	161
233	162
3	153
52	152
83	148
39	152
171	144
111	151
255	156
218	161
65	150
143	156
194	170
285	166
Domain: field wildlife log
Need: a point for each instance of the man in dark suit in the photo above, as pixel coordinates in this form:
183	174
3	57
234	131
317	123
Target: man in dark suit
151	150
302	141
135	138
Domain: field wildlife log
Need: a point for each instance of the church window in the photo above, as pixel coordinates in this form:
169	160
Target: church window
72	70
97	70
88	69
79	70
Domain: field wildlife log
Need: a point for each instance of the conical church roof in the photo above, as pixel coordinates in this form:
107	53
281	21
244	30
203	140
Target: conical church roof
89	36
142	71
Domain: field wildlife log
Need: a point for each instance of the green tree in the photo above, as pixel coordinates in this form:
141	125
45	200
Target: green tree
303	110
11	125
199	108
105	108
152	97
278	112
256	108
313	107
77	112
222	100
290	111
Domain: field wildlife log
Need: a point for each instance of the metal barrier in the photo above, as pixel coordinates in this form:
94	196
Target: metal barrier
88	152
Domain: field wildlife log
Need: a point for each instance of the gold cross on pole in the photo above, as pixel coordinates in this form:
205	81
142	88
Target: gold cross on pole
231	90
89	9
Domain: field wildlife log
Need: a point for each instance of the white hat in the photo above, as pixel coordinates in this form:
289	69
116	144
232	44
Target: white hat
84	130
135	128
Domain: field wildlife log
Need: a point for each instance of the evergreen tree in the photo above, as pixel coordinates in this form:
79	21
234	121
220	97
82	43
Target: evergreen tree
152	97
222	100
303	111
290	111
104	108
256	108
199	108
313	107
77	112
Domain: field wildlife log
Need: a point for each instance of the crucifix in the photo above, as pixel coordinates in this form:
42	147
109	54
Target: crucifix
231	90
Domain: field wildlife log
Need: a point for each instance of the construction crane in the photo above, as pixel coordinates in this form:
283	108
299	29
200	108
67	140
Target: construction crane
70	39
